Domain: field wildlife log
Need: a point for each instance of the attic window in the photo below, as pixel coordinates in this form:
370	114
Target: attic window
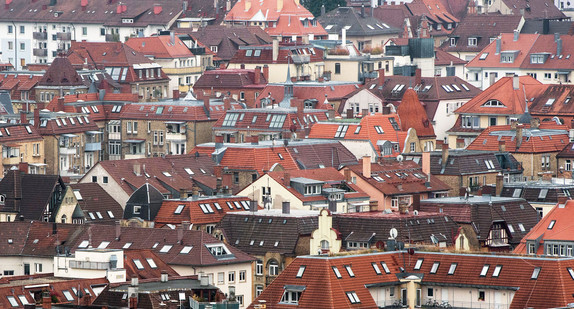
95	109
350	271
103	244
543	193
155	245
452	268
549	102
185	250
216	204
138	264
385	267
28	129
376	268
419	264
484	270
116	108
338	274
257	53
521	227
517	192
571	272
301	271
127	245
493	103
248	53
379	129
496	271
179	209
358	129
551	225
166	174
84	244
165	249
535	273
188	170
353	298
434	268
341	131
483	56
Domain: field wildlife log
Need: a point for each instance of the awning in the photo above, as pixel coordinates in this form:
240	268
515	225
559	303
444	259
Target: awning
294	288
136	141
174	122
563	72
94	132
37	164
69	135
114	122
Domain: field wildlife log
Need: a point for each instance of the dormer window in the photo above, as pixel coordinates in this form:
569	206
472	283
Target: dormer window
537	58
472	41
452	41
508	56
312	189
493	103
2	199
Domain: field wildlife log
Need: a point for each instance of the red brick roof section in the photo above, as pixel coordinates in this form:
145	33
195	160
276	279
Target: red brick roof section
554	226
503	90
160	47
552	138
61	73
260	159
193	210
286	52
15	133
305	91
412	115
229	78
96	199
322	289
149	270
66	124
400	178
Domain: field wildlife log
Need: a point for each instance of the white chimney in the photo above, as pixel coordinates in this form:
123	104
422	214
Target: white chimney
344	38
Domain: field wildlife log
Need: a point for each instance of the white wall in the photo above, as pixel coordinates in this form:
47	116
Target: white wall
112	187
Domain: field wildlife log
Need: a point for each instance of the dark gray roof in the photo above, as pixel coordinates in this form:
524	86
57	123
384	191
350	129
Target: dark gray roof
146	195
358	25
6	102
468	162
554	26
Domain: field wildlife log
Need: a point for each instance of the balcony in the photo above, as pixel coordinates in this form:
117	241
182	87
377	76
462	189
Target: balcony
197	50
176	137
93	147
13	160
112	37
64	36
68	151
205	305
134	156
42	36
40	52
89	265
300	59
188	70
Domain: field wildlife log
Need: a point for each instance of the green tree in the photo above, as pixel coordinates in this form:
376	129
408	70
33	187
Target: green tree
314	6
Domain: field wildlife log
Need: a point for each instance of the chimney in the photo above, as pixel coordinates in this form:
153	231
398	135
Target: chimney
516	82
418	77
84	4
403	208
23	167
172	38
46	300
157	8
37	117
180	235
516	35
347	174
137	169
498	45
164	277
228	6
322	10
499	183
226	103
381	79
350	113
254	139
175	94
253	207
502	146
242	66
286	179
279	5
23	118
426	163
344	37
363	10
416	202
275	48
206	103
266	72
562	199
60	106
518	135
332	206
558	46
365	112
300	111
7	5
185	225
118	227
286	207
247	5
366	161
219	139
257	77
444	153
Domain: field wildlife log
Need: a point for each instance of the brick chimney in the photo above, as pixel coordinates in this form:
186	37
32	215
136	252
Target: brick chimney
381	77
23	167
206	103
266	72
23	118
499	183
36	117
426	162
227	103
366	161
257	77
60	105
418	77
502	146
175	94
287	179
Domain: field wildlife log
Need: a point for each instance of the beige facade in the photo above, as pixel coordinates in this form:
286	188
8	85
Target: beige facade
278	71
111	186
324	239
534	167
29	151
346	68
67	206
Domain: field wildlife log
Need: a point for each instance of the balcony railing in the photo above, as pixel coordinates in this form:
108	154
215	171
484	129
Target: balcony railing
40	36
93	147
205	305
40	52
89	265
301	59
175	137
64	36
67	151
112	37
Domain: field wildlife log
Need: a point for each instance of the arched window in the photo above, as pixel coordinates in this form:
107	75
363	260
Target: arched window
273	267
64	219
324	245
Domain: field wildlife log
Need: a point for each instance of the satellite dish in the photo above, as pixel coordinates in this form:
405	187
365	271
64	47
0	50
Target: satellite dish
394	233
416	212
400	158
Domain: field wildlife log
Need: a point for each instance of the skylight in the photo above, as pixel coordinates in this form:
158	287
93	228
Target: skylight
127	245
385	267
376	268
484	270
452	268
434	268
103	244
165	249
419	264
350	271
338	274
84	244
497	270
301	271
179	209
186	250
138	264
551	225
151	263
535	273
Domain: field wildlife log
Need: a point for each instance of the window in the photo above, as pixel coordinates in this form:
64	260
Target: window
430	292
507	57
242	275
8	273
22	29
484	270
273	268
571	272
38	267
481	295
551	225
452	41
470	122
138	264
353	298
258	290
535	273
350	271
452	268
220	278
385	267
537	58
10	29
337	272
337	68
291	296
376	268
13	301
434	268
301	271
165	249
84	31
419	264
259	267
496	271
413	147
179	209
472	41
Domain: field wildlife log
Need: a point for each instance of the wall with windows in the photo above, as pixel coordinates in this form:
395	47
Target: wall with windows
67	207
97	174
19	266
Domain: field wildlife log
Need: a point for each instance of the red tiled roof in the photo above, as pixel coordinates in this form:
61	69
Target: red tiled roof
228	78
61	73
549	137
286	52
148	272
503	91
562	229
18	132
175	112
304	91
259	119
16	83
65	123
368	131
413	115
322	289
160	47
443	58
260	159
192	211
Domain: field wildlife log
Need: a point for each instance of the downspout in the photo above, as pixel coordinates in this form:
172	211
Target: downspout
15	47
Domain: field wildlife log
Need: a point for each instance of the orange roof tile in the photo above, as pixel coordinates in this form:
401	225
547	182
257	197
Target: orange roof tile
194	213
160	47
413	115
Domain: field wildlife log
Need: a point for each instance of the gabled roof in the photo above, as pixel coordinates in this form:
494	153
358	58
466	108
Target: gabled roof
483	27
317	154
268	231
442	58
322	288
175	212
149	271
355	23
228	79
483	211
16	83
413	115
28	194
465	162
228	39
260	159
309	90
160	47
554	101
513	100
399	178
372	128
13	133
65	123
535	9
549	137
148	198
554	226
184	111
61	73
434	11
93	198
